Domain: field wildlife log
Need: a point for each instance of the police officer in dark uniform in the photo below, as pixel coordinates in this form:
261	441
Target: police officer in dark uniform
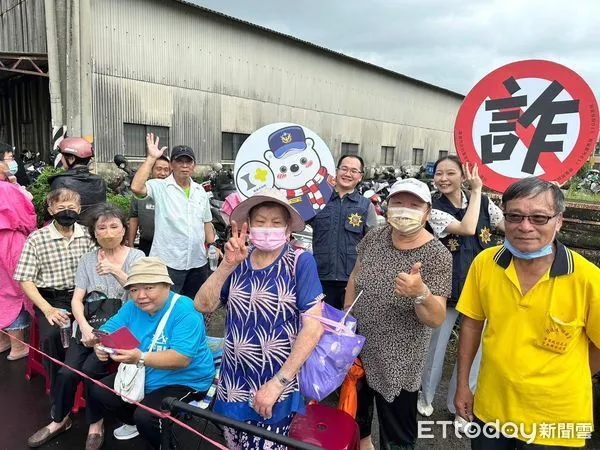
76	155
339	227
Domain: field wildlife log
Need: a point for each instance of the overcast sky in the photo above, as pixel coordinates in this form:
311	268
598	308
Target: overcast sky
450	43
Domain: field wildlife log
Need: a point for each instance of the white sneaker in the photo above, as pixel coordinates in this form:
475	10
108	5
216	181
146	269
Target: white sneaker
461	425
125	432
424	409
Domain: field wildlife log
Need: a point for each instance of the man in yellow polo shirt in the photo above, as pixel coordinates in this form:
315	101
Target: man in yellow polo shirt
541	305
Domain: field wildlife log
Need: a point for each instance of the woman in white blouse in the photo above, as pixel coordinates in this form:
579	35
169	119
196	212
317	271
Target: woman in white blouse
463	221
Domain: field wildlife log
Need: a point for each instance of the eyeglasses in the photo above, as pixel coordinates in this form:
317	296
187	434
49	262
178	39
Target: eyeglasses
536	219
345	169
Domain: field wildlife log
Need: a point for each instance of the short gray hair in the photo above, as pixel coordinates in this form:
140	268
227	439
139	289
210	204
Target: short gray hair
531	187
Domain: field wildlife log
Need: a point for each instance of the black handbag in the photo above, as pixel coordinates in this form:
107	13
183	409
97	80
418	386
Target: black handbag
97	309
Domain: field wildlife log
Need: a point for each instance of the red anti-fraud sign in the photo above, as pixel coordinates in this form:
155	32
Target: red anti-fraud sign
528	118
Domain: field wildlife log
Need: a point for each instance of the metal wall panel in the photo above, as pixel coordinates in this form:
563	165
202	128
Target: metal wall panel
22	26
165	63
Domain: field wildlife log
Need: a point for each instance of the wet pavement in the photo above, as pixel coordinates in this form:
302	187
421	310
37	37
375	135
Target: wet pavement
25	408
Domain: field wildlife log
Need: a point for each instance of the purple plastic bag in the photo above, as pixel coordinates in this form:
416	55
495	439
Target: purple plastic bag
326	367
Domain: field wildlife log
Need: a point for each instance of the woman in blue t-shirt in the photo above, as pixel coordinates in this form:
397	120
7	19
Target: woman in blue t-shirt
265	288
180	365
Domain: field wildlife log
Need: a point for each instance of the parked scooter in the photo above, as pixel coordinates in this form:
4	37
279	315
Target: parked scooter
124	184
221	182
591	182
220	223
32	164
303	239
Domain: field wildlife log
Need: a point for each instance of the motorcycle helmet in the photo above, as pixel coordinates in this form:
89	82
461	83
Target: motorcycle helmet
76	146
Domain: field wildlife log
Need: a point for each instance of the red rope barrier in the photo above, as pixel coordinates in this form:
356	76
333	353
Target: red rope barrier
152	411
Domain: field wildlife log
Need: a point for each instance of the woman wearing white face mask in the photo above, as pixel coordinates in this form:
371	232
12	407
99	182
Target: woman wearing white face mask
405	276
265	288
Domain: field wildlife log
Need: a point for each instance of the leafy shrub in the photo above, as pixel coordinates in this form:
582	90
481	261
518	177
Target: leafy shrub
120	201
39	189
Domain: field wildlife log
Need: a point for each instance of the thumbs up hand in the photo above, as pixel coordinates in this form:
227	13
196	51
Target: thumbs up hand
410	284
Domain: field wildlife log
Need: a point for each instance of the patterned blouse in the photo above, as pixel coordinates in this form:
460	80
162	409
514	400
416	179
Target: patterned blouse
396	341
261	324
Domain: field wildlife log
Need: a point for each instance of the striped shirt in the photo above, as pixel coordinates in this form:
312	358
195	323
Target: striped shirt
50	260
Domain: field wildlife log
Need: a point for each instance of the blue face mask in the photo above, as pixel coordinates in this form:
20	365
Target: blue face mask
13	167
544	251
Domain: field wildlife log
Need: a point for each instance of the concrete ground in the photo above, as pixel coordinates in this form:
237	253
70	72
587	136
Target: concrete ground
25	407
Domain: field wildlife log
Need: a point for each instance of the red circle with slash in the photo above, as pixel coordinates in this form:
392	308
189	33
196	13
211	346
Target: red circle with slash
492	87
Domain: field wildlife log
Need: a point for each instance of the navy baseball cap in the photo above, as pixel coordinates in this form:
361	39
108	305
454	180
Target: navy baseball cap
287	139
182	150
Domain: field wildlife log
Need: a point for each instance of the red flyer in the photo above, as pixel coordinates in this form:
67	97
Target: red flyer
121	339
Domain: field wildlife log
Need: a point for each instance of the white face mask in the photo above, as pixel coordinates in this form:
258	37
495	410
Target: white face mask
406	221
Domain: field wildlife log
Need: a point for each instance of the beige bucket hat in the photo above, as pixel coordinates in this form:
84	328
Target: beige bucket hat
148	270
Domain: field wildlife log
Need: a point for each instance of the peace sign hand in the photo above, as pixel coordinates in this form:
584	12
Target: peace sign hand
236	249
152	145
472	177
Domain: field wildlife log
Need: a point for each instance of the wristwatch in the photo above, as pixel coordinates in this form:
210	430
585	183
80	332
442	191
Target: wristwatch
421	298
140	362
283	380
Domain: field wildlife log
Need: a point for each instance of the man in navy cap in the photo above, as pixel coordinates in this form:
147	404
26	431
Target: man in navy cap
182	216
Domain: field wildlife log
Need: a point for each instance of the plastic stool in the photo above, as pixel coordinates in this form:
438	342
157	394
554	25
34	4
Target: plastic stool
34	359
326	427
79	401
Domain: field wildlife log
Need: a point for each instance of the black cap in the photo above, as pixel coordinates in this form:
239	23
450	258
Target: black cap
182	150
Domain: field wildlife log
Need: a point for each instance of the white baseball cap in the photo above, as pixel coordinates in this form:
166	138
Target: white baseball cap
412	186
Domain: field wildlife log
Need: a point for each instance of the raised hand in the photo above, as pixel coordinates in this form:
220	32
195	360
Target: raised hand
236	249
472	176
152	143
410	284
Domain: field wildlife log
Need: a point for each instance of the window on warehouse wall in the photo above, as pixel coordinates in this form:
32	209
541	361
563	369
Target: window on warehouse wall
231	144
387	155
349	148
417	157
135	138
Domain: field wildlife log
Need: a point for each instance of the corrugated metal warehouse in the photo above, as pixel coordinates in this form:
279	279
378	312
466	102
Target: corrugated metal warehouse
119	69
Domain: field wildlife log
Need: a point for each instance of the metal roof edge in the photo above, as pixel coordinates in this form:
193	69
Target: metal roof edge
322	49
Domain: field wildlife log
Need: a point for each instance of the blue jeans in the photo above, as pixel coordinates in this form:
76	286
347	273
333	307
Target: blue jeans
434	366
22	321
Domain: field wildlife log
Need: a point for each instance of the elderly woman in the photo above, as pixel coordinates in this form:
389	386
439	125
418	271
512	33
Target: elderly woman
405	276
100	276
265	288
17	220
180	364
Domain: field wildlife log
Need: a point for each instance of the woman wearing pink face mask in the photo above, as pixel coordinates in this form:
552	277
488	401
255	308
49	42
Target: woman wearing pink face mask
405	276
265	287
